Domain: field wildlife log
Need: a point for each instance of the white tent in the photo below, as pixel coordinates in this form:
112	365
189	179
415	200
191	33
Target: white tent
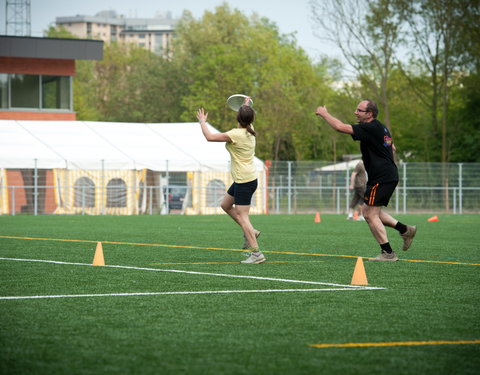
86	163
346	165
109	145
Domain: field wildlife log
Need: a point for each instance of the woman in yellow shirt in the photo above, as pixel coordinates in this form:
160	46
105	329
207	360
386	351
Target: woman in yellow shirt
240	143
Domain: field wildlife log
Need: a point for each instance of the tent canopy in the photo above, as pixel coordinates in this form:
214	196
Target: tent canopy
176	147
342	166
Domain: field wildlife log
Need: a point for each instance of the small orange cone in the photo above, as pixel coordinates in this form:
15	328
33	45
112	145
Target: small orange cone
355	215
432	219
98	258
359	275
317	217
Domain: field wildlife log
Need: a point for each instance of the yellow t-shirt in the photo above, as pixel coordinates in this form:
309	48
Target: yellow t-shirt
242	153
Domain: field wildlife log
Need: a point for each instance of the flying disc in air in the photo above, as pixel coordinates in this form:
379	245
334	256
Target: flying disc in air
236	101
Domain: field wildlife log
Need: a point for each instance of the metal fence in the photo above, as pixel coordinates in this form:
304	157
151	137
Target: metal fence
305	187
291	188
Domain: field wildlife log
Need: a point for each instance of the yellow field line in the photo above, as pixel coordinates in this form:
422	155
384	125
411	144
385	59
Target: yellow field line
398	343
224	249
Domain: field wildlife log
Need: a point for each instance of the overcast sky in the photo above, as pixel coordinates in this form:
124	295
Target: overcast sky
290	16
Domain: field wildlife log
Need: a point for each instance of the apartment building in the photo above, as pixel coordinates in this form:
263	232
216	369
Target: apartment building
154	34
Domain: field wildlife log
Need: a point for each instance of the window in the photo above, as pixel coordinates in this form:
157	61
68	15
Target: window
25	91
116	193
215	192
3	90
55	92
35	92
84	194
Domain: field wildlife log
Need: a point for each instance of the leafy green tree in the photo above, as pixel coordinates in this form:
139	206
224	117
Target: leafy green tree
130	84
367	33
441	36
465	120
59	32
225	53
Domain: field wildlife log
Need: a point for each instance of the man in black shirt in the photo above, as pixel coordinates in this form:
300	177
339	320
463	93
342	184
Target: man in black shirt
377	147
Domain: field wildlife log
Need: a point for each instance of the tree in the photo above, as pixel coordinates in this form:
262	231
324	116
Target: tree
59	32
439	37
368	34
225	53
130	84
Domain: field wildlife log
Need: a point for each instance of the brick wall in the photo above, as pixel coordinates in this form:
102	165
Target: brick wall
37	116
54	67
14	178
46	196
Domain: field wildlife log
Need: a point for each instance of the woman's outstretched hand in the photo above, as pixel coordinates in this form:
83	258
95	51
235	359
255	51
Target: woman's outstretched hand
201	115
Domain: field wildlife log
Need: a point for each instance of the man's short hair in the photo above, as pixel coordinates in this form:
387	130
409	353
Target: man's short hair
372	107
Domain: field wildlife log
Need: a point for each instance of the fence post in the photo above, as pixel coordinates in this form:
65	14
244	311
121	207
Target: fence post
338	200
83	200
454	198
404	188
167	192
289	187
13	200
35	189
150	201
460	187
103	199
347	189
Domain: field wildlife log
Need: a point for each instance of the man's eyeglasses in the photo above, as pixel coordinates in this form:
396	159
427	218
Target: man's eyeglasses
361	110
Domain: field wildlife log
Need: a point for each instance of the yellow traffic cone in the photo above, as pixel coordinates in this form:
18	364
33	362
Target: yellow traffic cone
359	275
98	258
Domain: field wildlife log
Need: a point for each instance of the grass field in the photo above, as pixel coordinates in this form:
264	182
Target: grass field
422	317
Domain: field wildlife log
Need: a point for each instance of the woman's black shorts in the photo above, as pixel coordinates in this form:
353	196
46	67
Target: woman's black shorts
379	194
242	193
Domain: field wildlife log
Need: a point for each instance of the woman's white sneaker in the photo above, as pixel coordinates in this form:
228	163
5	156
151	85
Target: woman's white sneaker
256	256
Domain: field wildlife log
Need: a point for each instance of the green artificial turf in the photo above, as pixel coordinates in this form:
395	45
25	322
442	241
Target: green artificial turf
431	294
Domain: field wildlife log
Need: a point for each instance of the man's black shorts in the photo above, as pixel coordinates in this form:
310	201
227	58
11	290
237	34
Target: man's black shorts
379	194
242	193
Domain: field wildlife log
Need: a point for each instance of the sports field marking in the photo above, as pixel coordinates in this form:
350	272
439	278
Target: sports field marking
175	293
397	343
226	249
198	273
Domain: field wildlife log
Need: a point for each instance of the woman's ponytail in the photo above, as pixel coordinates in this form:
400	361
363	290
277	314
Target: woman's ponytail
250	130
245	118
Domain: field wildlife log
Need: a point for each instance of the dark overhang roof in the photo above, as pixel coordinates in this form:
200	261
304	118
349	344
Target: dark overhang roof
50	48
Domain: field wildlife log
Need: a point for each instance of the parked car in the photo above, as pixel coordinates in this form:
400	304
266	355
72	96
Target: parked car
176	196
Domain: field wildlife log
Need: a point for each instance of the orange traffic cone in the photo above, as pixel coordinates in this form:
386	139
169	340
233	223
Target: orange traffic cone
98	258
355	215
432	219
359	275
317	218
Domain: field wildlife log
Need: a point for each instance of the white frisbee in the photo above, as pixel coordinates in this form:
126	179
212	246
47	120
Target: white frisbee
235	101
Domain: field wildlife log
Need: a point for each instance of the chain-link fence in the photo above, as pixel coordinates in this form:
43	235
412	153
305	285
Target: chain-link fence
287	187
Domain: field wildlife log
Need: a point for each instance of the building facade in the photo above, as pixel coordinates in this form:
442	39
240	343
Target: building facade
36	76
154	34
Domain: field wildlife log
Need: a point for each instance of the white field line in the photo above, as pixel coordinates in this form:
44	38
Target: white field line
186	292
338	286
